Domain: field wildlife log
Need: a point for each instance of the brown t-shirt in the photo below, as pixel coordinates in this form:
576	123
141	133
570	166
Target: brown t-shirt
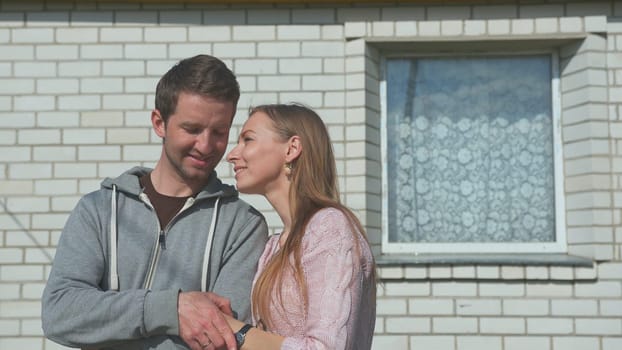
165	206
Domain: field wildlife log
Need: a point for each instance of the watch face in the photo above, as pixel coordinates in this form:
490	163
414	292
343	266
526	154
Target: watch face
239	339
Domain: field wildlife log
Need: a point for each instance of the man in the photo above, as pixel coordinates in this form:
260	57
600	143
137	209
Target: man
135	255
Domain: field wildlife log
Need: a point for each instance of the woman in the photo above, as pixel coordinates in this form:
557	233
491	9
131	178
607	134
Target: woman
315	284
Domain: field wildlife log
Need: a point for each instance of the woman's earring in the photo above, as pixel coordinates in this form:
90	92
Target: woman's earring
288	170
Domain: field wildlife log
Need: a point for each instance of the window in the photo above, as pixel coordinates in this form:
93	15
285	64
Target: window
472	154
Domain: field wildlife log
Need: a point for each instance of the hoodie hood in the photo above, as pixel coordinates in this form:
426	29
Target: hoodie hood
129	184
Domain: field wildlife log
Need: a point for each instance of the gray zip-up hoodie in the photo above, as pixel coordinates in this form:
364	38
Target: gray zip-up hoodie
81	307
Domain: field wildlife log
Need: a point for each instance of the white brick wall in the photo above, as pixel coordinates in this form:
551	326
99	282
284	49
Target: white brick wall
76	89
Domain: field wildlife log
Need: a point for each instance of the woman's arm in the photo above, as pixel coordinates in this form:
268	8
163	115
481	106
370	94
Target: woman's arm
256	338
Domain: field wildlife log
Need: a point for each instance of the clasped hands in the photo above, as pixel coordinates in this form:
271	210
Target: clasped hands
203	321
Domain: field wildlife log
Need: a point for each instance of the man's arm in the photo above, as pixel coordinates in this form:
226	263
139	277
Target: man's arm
77	310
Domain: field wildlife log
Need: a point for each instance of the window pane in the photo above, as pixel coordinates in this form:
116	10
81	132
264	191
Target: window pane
470	149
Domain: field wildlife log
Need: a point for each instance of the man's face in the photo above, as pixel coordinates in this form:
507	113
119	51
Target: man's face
195	137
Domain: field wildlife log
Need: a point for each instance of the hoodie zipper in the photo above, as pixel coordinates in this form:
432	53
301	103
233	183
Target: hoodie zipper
160	239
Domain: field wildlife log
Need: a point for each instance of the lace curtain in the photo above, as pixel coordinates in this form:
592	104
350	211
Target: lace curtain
470	149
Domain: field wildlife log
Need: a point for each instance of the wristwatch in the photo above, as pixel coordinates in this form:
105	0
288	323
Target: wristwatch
240	335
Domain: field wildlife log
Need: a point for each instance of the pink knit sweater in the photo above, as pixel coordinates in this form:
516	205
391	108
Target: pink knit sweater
342	307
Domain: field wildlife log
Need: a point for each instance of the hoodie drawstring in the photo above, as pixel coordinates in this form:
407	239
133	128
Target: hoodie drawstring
208	247
114	276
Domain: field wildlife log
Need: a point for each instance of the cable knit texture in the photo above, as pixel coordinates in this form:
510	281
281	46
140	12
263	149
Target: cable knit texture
342	308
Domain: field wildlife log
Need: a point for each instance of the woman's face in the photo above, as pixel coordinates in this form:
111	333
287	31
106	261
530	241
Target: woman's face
259	157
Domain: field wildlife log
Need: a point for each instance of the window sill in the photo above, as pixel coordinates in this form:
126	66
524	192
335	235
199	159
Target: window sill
542	267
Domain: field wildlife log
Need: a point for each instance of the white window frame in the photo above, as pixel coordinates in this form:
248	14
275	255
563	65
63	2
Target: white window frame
559	246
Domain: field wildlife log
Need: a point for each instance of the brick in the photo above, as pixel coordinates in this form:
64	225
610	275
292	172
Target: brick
429	342
598	326
16	187
415	272
39	255
165	34
101	51
83	136
488	272
408	288
536	272
32	35
16	273
541	10
512	272
547	325
99	153
26	239
65	203
599	289
522	343
477	307
502	325
280	82
526	307
501	289
79	69
32	328
498	27
13	153
611	307
57	86
9	328
38	136
569	307
53	153
76	35
237	50
522	26
125	101
8	137
575	343
391	307
75	170
21	343
610	270
30	171
209	34
381	342
323	49
298	32
123	68
406	28
122	35
145	51
429	28
56	52
11	255
454	325
329	82
448	12
436	306
141	153
332	32
549	289
17	52
408	325
300	66
34	103
102	119
546	25
612	343
9	291
475	27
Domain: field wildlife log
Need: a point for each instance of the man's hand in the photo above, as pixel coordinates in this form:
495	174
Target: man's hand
202	324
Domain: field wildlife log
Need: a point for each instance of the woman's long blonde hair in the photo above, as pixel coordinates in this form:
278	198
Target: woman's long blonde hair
313	187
